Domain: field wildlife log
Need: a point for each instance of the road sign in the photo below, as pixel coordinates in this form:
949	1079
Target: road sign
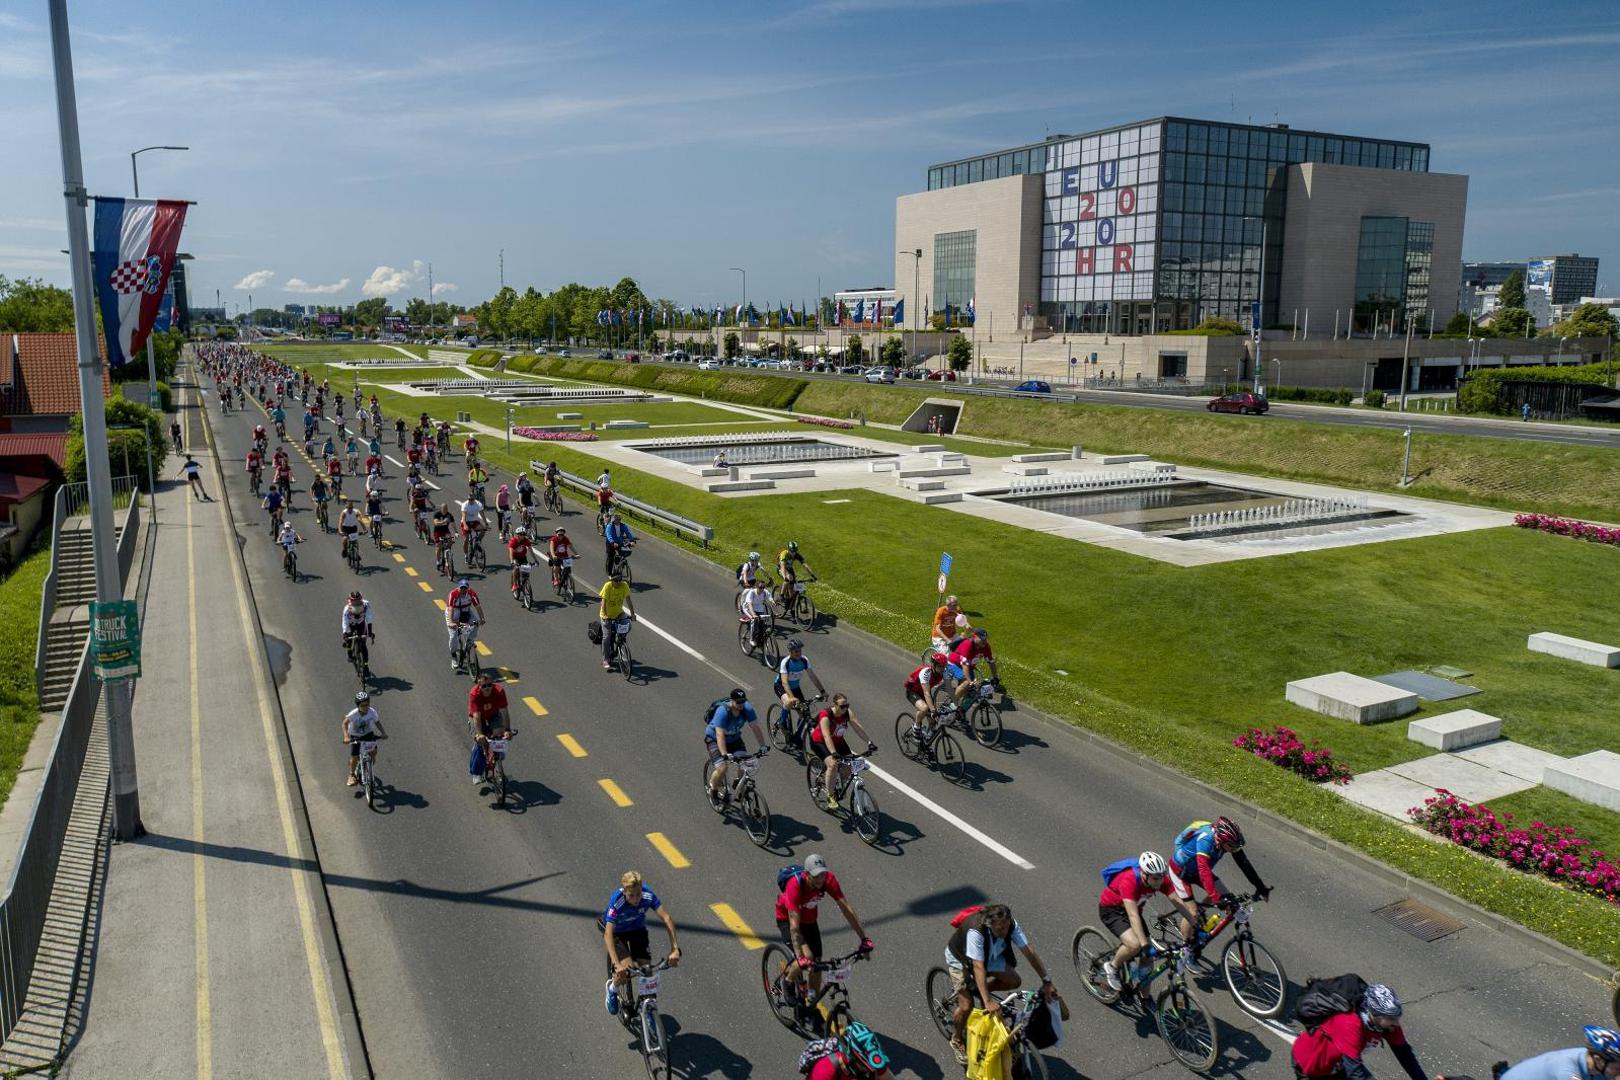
1073	360
944	563
154	400
115	640
944	580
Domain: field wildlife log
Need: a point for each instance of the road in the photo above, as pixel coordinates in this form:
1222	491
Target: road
469	935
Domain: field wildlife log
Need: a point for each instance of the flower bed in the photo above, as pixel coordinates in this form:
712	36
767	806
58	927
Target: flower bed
1548	850
554	436
1580	530
1283	746
823	421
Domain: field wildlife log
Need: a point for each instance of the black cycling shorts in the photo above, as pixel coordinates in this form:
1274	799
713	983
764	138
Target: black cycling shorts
811	932
1115	919
633	944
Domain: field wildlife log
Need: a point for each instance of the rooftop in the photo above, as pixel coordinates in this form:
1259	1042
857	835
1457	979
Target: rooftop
42	377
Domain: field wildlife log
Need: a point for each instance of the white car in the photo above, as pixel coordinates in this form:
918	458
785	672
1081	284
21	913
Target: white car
708	365
879	375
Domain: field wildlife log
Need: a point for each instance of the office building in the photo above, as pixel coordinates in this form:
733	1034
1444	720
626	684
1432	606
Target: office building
1566	278
1160	224
1483	275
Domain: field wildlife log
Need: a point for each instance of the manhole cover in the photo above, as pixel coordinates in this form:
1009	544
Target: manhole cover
1419	920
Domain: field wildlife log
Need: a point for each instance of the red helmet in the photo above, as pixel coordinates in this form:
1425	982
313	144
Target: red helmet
1227	833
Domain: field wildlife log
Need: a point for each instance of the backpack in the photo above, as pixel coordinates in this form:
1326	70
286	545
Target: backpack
593	630
965	914
713	705
787	874
1114	869
1323	998
814	1051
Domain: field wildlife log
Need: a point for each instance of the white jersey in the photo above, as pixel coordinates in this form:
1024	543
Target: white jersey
288	538
353	618
359	724
349	519
754	601
472	510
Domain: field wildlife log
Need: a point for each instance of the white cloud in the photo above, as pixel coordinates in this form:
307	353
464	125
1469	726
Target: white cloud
256	280
389	280
445	287
299	285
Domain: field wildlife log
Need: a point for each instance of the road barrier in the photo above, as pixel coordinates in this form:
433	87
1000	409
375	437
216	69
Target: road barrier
635	507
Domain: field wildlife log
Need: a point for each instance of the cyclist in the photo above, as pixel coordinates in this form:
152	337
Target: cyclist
334	474
279	415
558	548
1120	907
374	479
351	450
287	539
793	667
616	612
797	908
374	508
503	510
520	550
399	431
964	659
373	462
979	957
1334	1047
462	608
828	740
724	728
604	498
552	475
361	722
193	472
949	624
525	494
624	932
469	446
319	494
328	450
855	1055
255	466
356	622
477	477
1193	855
488	718
259	437
617	540
348	526
919	688
273	505
1599	1058
442	524
785	561
754	607
750	572
472	524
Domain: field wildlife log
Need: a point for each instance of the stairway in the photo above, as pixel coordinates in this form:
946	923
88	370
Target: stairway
64	643
69	627
75	567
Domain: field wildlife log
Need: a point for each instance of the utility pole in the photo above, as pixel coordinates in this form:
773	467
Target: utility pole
503	268
109	586
1406	360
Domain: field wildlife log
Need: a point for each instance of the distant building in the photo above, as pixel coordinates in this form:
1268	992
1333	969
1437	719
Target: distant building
465	320
1482	275
294	309
1565	277
864	307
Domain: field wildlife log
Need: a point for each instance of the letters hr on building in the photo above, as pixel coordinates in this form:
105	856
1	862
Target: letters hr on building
1116	201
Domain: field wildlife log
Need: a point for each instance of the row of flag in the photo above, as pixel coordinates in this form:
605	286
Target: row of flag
862	313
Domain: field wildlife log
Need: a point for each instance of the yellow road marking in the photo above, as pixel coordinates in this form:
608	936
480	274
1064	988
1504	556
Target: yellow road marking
425	587
397	556
506	673
199	884
535	706
428	588
410	571
571	744
615	792
669	851
483	650
734	922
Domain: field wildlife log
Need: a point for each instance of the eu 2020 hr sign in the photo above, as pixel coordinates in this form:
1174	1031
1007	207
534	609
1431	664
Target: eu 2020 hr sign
115	640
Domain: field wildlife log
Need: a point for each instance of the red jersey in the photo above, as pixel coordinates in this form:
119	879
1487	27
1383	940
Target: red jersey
915	679
283	471
1318	1052
970	650
801	895
486	707
518	547
840	726
334	467
1128	886
561	549
373	462
254	459
604	496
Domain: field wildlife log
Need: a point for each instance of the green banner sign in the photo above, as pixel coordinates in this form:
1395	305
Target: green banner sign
115	640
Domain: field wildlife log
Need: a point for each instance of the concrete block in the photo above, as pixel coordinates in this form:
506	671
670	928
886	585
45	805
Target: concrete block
1122	459
1464	778
931	448
882	466
924	485
624	425
1569	648
1040	457
934	470
1515	759
720	487
1350	697
781	473
1593	778
710	470
1383	791
1455	730
934	498
1026	470
570	416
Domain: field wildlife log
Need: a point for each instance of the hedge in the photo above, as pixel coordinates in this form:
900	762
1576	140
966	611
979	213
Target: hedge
763	391
484	357
1341	396
1481	391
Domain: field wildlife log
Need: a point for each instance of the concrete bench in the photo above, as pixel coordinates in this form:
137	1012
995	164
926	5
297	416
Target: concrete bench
934	498
931	448
934	470
720	487
710	470
1122	459
570	416
1026	470
1455	730
923	485
1040	457
882	466
778	473
1569	648
623	425
1350	697
1593	778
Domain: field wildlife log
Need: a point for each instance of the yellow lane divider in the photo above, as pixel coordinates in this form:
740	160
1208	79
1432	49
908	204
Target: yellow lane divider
669	851
535	706
614	792
734	922
483	650
410	571
440	603
398	557
571	745
425	587
506	673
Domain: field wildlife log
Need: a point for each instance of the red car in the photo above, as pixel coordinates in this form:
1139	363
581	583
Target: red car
633	358
1241	402
942	376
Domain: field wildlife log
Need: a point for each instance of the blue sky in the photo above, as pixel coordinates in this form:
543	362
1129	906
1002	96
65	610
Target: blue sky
336	149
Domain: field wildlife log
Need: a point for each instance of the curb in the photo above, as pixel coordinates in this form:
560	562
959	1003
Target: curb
331	946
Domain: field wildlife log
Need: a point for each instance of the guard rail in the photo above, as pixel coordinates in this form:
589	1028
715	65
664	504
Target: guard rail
659	516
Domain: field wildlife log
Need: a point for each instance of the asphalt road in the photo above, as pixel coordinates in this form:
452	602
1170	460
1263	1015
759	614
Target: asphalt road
469	934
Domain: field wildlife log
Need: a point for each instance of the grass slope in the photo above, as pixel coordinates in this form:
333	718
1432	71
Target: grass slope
19	698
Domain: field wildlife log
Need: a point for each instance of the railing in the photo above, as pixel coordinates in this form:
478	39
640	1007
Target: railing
1096	481
674	522
1279	515
77	495
709	440
47	600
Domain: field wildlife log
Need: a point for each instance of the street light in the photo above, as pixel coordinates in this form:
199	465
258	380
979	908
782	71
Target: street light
134	172
151	355
916	284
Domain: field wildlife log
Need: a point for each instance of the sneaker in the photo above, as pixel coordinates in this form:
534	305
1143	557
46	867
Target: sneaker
832	802
1111	974
353	780
607	665
612	999
479	779
960	1051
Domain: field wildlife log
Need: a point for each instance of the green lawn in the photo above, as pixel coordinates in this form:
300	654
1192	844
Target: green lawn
320	352
19	697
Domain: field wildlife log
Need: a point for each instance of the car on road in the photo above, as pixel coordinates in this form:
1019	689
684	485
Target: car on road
1244	402
914	373
708	363
632	358
879	375
564	352
604	354
1033	386
943	375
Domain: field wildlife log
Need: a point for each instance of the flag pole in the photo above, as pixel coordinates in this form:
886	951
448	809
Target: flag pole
109	584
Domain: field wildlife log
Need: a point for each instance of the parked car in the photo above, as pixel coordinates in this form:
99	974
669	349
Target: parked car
943	375
914	373
1243	402
632	358
564	352
879	375
604	354
708	363
1033	386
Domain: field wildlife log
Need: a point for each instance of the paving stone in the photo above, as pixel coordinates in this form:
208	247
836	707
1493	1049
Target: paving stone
1515	759
1461	777
1593	778
1351	697
1385	792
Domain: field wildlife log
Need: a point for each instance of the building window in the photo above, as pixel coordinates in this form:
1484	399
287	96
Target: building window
1419	259
954	262
1393	272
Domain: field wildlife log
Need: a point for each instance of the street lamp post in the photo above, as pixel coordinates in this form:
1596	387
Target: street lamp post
916	284
151	354
744	274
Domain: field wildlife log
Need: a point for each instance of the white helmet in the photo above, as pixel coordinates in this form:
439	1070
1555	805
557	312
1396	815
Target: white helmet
520	531
1151	862
753	556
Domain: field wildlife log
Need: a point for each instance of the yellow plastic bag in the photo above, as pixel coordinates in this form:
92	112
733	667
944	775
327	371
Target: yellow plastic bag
988	1050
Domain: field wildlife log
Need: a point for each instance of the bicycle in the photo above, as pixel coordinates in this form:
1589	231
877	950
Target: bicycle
1183	1020
757	636
475	551
798	606
552	499
289	563
621	657
424	526
638	1012
254	480
1017	1006
376	530
790	732
525	591
369	784
601	521
465	653
276	521
742	793
809	1016
445	562
351	551
1252	975
354	646
978	716
934	746
863	809
621	565
495	763
563	580
323	515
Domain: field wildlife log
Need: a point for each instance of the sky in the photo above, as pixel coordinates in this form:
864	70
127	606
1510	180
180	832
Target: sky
337	150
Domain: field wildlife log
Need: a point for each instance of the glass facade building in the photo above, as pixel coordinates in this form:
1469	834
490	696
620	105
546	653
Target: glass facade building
1393	261
1161	224
955	260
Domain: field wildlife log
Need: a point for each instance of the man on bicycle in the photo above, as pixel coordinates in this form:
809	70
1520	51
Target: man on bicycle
1599	1059
255	466
1334	1048
963	660
793	667
754	608
348	526
551	477
520	551
487	716
829	741
1120	908
503	510
442	524
618	540
558	548
624	932
469	446
797	907
525	494
273	506
356	623
461	608
919	688
477	477
723	735
399	431
374	508
616	612
979	957
334	474
750	573
1193	855
319	493
472	525
361	723
949	624
786	559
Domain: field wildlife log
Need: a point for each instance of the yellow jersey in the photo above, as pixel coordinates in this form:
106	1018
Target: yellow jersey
614	596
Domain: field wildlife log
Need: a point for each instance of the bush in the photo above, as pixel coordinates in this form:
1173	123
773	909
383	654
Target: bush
1340	396
1375	399
484	357
1214	326
165	395
121	413
1285	748
1547	850
1482	390
1580	530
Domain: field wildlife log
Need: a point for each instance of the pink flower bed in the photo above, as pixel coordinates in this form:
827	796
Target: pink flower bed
554	436
1282	746
822	421
1580	530
1549	850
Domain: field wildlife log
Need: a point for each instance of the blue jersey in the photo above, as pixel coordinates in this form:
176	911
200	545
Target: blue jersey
791	668
1195	840
627	918
272	500
618	533
732	725
1553	1065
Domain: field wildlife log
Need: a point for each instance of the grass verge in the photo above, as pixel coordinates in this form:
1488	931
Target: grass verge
19	697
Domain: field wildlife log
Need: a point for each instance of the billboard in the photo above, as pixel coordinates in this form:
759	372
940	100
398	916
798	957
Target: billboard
1100	217
328	318
1538	272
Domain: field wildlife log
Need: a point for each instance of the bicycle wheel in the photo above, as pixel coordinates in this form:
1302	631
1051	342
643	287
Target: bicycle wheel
1254	977
948	759
780	995
627	663
1090	948
780	725
745	640
813	776
565	587
770	653
984	721
1187	1027
865	816
909	747
1030	1058
501	788
369	779
807	610
838	1020
941	1000
359	663
654	1042
756	814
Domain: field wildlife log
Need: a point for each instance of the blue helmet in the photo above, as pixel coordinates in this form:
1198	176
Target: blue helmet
861	1048
1603	1041
1380	1000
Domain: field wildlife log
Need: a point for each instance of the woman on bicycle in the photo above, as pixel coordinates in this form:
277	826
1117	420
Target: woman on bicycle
828	741
624	932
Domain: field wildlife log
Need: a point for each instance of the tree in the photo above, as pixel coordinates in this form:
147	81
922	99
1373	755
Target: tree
31	306
1459	326
854	352
370	312
794	349
960	353
122	414
733	344
1511	295
893	352
1588	320
936	321
1512	322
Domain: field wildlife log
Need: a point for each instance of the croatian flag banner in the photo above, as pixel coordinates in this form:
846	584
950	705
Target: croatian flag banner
135	244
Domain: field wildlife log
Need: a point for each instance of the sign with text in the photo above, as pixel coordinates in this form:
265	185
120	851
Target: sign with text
1101	217
115	640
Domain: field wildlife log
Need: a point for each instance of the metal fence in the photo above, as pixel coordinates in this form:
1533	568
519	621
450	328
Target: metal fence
635	507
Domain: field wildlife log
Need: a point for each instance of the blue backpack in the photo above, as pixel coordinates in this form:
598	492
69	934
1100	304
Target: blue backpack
1114	869
787	874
